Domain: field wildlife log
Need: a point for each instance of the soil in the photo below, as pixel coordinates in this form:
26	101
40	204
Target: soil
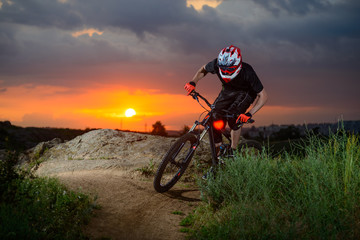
104	163
130	207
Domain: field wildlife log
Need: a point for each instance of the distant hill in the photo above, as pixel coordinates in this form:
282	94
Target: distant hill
19	138
283	132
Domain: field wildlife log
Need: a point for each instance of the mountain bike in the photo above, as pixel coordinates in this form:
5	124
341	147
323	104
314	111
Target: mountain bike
179	156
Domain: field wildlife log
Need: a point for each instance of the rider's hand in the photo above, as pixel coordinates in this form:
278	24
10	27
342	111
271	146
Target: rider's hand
244	117
189	87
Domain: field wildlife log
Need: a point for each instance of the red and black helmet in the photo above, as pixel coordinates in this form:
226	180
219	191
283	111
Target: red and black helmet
229	62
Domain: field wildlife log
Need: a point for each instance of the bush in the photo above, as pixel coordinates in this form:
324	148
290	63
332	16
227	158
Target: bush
39	208
289	197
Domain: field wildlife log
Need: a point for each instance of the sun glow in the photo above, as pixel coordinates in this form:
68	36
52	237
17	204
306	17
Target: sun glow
130	112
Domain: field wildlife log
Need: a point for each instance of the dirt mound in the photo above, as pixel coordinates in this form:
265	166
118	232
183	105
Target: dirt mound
101	149
104	149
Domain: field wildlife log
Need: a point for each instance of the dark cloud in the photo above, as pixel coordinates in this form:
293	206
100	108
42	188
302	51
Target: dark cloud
294	6
8	42
136	15
40	13
306	52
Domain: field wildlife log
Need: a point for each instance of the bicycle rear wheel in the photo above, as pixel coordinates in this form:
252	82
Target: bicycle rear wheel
250	146
175	163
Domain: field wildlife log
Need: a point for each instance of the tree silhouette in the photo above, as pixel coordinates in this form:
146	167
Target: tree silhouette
159	129
185	130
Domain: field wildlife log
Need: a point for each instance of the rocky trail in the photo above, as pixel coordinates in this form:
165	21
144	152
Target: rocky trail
103	163
130	207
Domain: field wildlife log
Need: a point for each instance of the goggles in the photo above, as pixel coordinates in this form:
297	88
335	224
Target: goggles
228	70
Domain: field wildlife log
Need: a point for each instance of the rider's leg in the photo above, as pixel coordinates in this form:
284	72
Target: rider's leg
218	141
235	138
240	105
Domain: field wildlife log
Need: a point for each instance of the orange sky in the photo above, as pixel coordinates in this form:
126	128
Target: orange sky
99	107
105	106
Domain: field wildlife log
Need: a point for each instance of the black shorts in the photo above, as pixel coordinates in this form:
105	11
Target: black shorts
234	102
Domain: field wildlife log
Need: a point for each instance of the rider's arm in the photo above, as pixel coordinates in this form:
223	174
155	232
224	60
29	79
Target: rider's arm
259	102
199	74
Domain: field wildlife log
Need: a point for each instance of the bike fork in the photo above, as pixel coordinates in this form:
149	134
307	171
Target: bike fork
211	139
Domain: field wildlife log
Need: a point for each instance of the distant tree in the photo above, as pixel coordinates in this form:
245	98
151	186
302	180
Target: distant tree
159	129
184	130
291	132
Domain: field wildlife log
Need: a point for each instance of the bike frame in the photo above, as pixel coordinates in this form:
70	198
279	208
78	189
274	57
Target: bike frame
207	123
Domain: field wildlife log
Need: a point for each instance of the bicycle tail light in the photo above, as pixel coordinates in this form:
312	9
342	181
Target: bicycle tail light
218	124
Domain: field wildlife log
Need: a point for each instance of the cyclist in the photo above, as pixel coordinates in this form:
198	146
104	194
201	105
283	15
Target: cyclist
241	88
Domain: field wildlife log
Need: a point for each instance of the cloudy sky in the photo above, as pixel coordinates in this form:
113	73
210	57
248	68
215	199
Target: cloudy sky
82	63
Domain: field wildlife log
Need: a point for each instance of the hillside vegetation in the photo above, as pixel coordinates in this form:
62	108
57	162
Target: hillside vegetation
39	208
313	196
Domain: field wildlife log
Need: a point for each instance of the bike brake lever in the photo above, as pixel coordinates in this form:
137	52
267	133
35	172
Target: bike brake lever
250	120
194	95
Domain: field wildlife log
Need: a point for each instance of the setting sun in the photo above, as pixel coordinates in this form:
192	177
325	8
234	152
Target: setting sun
130	112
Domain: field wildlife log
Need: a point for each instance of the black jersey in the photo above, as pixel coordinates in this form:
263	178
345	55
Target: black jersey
246	80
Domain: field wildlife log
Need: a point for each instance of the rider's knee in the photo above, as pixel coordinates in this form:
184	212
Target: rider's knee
233	125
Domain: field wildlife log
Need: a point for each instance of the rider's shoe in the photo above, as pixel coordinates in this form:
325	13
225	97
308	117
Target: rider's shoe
226	152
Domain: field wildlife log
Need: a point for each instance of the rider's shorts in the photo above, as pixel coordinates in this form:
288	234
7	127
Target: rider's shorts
234	102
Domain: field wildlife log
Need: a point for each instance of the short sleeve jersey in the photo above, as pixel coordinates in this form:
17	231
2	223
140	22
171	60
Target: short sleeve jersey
246	80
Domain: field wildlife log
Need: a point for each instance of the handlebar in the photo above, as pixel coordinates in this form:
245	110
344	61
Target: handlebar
195	95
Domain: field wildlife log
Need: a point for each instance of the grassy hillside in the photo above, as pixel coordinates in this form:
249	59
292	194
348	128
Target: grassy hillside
314	195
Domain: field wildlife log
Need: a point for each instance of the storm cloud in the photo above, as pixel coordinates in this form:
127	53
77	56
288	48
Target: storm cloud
306	52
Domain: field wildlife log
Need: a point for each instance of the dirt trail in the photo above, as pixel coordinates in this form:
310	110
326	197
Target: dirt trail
130	207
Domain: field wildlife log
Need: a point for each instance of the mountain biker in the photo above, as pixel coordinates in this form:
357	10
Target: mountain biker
241	88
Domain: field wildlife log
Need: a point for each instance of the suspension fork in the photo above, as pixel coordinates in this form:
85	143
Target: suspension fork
208	128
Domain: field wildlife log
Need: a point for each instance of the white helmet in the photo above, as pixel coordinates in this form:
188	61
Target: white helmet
229	62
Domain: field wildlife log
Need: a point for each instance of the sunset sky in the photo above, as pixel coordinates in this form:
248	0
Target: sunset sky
82	63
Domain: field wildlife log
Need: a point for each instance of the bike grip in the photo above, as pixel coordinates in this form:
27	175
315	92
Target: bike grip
250	120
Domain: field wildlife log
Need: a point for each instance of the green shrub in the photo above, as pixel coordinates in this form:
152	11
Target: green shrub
289	197
39	208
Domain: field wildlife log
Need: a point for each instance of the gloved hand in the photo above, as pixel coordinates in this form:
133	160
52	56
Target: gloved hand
244	117
189	87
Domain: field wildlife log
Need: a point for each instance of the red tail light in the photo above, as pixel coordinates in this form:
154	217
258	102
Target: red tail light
219	124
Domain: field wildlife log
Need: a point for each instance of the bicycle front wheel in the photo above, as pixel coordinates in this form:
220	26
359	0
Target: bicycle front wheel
175	162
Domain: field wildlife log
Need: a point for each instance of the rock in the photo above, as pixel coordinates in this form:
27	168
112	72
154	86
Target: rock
102	149
38	151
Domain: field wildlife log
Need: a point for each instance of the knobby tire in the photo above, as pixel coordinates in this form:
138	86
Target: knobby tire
175	162
250	144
